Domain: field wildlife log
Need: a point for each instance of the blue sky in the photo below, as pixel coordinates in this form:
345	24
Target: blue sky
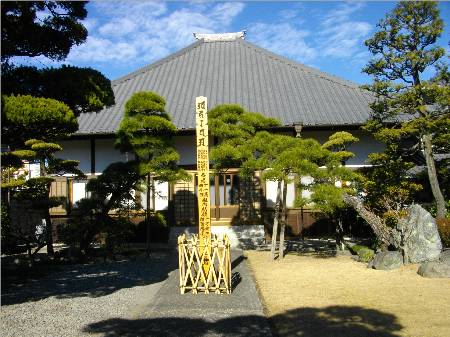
126	35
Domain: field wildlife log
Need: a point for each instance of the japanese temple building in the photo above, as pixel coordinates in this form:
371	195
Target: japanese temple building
226	69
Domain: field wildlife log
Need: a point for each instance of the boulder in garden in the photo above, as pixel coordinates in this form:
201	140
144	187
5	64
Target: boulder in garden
434	269
424	243
387	260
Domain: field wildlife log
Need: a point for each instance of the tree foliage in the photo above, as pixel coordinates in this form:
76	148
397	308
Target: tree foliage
25	117
244	141
48	28
35	192
233	127
146	130
111	191
82	89
409	112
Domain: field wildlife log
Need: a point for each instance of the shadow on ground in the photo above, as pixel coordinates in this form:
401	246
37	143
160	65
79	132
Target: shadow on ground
335	321
93	280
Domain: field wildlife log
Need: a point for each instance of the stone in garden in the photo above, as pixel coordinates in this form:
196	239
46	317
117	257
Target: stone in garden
434	269
424	244
387	260
445	256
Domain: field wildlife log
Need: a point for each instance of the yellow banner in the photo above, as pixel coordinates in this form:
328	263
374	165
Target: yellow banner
204	210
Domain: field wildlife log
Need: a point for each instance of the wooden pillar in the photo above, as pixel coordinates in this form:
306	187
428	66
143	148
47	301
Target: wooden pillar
92	156
171	206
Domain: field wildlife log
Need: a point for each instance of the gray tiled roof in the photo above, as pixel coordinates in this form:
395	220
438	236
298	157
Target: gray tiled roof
237	72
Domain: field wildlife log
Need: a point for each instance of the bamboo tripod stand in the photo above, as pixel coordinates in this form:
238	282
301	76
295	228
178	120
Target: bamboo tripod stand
199	275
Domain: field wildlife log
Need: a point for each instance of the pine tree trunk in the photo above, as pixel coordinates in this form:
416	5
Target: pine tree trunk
48	225
49	233
432	176
147	214
375	222
275	222
339	233
283	222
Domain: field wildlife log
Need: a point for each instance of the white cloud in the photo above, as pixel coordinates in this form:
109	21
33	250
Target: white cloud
90	24
337	35
133	31
102	50
131	8
119	27
288	14
341	36
226	12
283	38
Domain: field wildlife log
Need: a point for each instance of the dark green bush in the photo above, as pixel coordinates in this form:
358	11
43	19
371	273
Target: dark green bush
159	231
8	241
118	232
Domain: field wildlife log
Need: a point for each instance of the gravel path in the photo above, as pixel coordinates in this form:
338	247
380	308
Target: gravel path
63	303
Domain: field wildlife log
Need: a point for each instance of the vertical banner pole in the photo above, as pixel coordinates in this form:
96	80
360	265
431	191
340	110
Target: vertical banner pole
204	210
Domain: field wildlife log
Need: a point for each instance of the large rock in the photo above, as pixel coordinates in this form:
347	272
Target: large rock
434	269
387	260
445	256
424	243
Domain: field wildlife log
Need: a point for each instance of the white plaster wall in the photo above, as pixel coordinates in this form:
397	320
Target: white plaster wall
106	154
78	190
271	193
77	150
161	199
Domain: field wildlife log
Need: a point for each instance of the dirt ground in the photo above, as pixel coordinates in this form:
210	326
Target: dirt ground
337	296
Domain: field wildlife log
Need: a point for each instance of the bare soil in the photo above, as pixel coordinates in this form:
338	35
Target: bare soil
311	295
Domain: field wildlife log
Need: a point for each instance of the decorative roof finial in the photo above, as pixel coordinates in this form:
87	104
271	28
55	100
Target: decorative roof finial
220	37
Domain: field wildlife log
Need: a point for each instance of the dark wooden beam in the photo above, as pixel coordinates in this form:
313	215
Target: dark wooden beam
92	139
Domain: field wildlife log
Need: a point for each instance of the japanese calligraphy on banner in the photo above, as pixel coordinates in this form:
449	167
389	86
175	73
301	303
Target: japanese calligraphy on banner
204	211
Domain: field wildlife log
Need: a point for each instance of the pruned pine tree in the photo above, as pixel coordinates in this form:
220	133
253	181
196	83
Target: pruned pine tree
338	143
146	130
296	157
234	128
111	191
50	166
267	153
243	141
408	108
37	117
25	117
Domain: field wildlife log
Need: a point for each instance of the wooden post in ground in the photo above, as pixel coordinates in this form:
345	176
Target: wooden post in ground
275	222
204	208
204	262
283	221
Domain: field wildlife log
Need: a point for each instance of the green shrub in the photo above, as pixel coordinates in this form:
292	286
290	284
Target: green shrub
118	232
8	241
356	248
365	254
159	231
